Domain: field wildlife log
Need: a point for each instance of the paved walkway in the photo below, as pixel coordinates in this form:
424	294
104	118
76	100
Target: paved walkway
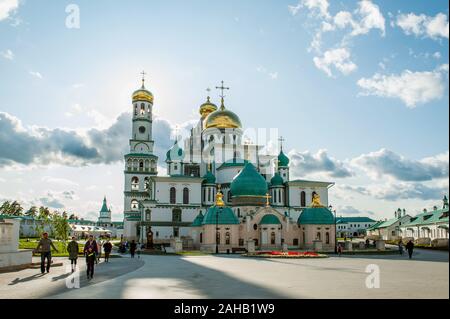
228	276
30	283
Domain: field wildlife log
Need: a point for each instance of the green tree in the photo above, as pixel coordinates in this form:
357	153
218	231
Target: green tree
32	212
60	227
43	219
5	209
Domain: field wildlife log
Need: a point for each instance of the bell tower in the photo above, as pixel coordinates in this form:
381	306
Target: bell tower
140	162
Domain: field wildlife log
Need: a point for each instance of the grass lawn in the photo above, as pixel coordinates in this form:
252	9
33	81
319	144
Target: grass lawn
62	250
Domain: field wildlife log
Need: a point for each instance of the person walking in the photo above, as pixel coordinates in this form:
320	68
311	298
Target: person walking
133	246
44	246
72	249
138	249
400	247
107	247
99	249
410	248
90	251
339	250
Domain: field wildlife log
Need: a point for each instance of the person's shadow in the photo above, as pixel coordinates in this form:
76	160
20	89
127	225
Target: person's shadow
18	280
63	276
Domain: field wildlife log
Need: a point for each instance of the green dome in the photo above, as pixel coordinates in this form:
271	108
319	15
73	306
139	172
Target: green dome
226	216
277	180
283	160
249	183
209	178
316	216
175	153
198	220
270	219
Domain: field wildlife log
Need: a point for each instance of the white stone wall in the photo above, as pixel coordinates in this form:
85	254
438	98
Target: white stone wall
163	191
295	197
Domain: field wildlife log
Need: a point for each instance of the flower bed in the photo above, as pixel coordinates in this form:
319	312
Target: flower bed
288	254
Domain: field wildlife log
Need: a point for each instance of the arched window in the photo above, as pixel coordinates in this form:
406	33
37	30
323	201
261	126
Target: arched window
142	108
209	194
272	238
135	109
279	195
303	199
176	215
218	238
129	164
134	205
318	236
148	216
304	238
186	195
327	238
204	194
134	183
239	212
201	238
227	238
173	195
141	165
274	196
229	196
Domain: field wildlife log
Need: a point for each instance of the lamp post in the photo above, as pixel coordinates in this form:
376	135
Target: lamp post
335	230
217	228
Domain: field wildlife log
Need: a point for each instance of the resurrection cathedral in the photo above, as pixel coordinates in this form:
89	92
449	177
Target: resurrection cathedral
215	180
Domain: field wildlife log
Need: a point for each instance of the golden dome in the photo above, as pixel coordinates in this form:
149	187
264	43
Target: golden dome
207	108
143	95
222	118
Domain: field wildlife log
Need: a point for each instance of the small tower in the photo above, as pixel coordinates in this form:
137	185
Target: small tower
174	160
445	200
209	189
283	163
105	213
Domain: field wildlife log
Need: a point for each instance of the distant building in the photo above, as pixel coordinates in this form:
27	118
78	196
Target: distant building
428	226
389	229
353	226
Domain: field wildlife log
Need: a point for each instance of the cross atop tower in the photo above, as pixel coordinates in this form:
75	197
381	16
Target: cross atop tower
281	140
143	77
222	88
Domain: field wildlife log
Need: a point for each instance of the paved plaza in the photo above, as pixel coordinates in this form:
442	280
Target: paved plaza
228	276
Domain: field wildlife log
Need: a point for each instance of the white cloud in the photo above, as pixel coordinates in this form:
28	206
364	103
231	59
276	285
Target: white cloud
437	55
304	163
36	74
385	163
8	54
317	7
338	58
58	181
7	8
370	18
263	70
411	87
425	26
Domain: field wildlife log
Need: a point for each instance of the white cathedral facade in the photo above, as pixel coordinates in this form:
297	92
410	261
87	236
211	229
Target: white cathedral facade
214	158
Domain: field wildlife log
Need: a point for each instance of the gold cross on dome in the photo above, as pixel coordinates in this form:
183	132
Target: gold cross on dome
222	88
267	199
143	77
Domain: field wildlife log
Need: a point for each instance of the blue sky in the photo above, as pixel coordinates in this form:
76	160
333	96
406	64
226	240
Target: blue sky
372	92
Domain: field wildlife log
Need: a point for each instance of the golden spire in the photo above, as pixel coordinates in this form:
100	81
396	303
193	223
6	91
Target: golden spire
267	199
219	197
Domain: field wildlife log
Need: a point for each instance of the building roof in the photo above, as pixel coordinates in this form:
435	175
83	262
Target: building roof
343	220
237	162
225	216
209	178
198	220
426	218
316	216
283	160
249	183
270	219
175	153
277	180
